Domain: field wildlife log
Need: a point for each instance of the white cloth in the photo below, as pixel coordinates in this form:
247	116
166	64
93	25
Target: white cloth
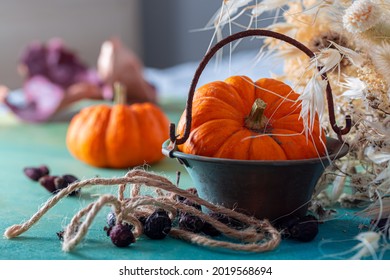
175	82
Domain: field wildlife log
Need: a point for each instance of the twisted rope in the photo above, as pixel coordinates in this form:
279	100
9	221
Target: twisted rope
259	236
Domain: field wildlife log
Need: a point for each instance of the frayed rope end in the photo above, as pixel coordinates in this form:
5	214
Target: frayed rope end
12	231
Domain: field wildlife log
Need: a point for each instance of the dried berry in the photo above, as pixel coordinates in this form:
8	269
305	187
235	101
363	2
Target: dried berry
306	229
121	235
180	198
285	224
158	225
35	173
47	182
299	228
210	230
32	173
62	182
44	170
191	203
382	225
191	223
229	221
70	178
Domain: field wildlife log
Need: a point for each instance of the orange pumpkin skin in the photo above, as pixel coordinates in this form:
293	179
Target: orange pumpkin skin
119	136
219	128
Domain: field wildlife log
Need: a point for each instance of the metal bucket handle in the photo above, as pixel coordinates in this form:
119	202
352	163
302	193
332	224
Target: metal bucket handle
248	33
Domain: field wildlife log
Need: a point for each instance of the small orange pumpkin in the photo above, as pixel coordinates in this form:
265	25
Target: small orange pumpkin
118	136
239	119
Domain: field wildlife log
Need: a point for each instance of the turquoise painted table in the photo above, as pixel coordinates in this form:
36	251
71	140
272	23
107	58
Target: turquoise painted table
34	144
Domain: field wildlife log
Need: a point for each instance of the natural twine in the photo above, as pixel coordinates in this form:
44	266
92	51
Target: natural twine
259	236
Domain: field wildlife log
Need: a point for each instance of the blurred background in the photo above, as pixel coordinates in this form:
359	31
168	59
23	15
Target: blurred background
162	33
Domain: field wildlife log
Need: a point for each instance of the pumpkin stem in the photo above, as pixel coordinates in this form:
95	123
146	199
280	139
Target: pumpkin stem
119	93
256	119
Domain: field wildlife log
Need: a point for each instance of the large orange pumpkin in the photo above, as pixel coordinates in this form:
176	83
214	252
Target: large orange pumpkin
240	119
118	136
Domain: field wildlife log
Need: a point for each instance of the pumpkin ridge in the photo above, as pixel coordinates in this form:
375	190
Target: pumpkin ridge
140	118
279	97
281	109
99	117
276	149
245	88
227	140
105	133
223	91
162	121
150	142
293	122
215	139
160	136
274	90
207	107
289	121
289	144
118	149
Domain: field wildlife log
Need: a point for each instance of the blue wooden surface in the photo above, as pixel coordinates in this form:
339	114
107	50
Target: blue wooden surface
34	144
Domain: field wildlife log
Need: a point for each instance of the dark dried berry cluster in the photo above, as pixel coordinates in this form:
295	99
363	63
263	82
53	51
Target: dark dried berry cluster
158	224
56	183
193	191
189	221
62	182
52	183
229	221
155	226
302	229
382	225
193	223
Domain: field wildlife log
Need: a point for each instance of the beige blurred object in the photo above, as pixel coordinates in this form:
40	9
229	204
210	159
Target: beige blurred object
117	63
79	91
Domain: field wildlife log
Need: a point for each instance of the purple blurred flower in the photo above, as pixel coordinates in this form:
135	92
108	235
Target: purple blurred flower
49	69
33	59
41	100
53	61
64	67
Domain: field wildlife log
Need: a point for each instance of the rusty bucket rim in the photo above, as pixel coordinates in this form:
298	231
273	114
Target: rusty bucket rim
339	150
